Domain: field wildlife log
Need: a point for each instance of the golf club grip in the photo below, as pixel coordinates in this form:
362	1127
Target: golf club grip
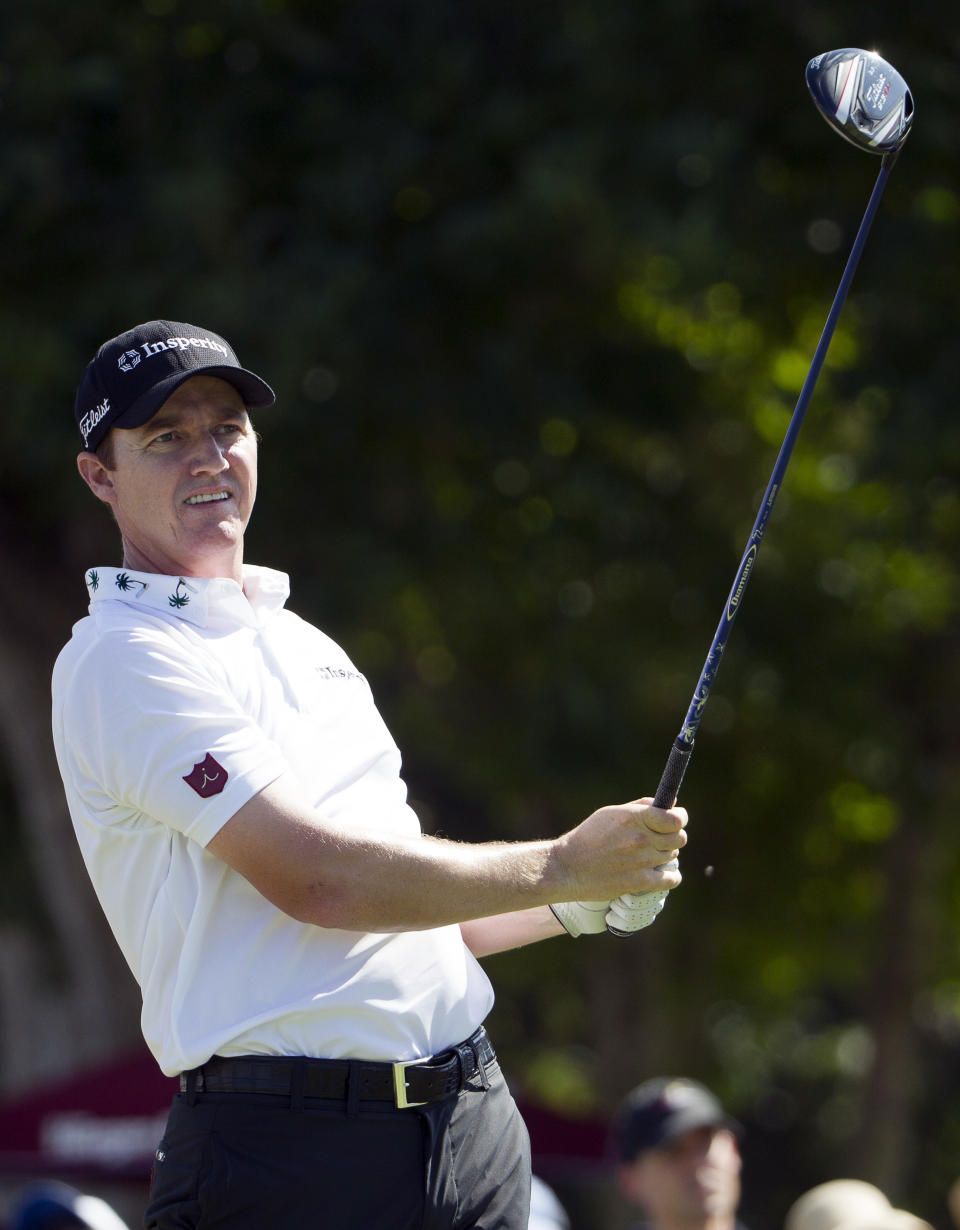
673	772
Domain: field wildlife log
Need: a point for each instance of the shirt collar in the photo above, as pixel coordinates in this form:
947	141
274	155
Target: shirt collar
202	601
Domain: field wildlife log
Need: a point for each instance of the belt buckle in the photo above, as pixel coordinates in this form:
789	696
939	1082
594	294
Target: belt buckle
400	1082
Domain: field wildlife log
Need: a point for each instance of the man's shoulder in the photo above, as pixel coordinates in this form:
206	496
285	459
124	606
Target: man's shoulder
118	640
111	626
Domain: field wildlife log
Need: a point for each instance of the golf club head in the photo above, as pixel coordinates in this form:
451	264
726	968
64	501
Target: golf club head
862	97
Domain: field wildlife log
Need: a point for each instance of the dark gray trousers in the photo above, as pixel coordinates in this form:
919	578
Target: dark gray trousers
250	1161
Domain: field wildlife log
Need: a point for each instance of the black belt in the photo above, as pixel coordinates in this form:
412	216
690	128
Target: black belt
413	1082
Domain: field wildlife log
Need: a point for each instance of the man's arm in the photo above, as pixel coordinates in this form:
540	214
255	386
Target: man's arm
322	873
485	936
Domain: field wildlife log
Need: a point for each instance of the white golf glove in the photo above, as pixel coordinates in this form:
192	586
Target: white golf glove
634	911
582	917
631	912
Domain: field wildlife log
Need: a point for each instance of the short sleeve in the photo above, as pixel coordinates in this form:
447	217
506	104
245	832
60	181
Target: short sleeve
149	727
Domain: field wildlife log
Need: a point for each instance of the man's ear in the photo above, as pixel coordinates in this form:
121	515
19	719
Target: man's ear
97	477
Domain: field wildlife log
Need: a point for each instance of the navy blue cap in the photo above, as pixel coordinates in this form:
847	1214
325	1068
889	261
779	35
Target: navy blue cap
661	1109
132	375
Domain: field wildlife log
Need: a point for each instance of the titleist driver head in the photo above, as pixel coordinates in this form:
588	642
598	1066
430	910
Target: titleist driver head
862	97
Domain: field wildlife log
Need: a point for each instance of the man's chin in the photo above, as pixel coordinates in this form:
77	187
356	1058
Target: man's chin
717	1204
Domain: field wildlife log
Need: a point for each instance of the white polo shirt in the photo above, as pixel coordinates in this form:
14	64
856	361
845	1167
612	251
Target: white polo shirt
168	684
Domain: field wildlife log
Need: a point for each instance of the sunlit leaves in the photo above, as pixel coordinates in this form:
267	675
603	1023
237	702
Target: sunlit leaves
860	815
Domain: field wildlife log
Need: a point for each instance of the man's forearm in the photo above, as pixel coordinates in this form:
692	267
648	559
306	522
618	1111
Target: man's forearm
331	876
485	936
381	883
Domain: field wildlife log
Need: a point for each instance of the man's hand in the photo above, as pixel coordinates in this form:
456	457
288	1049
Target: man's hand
628	848
607	843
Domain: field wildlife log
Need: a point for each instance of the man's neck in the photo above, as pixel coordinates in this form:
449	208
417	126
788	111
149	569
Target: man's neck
227	569
715	1221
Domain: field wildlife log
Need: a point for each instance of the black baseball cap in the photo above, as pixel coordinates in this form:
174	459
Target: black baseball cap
132	375
659	1110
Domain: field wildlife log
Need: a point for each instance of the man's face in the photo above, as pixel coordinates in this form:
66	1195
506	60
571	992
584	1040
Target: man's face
689	1180
182	486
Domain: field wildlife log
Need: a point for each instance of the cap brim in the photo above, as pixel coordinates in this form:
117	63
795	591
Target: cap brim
687	1121
256	393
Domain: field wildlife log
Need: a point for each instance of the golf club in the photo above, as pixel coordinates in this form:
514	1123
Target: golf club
869	104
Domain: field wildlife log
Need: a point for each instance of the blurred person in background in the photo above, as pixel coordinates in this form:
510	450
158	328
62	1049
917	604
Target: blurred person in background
57	1206
953	1203
546	1211
677	1156
849	1204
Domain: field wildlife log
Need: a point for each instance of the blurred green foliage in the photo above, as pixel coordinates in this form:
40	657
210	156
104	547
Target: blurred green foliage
537	286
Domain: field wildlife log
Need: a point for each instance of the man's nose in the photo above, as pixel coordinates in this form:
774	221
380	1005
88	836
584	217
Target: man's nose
208	455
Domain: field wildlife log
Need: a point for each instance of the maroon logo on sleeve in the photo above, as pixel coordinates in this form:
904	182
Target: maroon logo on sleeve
207	777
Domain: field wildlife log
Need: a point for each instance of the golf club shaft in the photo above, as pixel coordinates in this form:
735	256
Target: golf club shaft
682	749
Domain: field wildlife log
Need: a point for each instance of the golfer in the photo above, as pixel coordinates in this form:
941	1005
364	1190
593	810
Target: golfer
307	957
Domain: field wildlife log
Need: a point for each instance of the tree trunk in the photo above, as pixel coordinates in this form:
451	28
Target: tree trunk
884	1149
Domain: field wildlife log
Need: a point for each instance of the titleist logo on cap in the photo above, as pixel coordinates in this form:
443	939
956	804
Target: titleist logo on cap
93	417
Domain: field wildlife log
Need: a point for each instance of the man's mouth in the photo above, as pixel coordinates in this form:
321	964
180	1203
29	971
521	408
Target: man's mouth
208	499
